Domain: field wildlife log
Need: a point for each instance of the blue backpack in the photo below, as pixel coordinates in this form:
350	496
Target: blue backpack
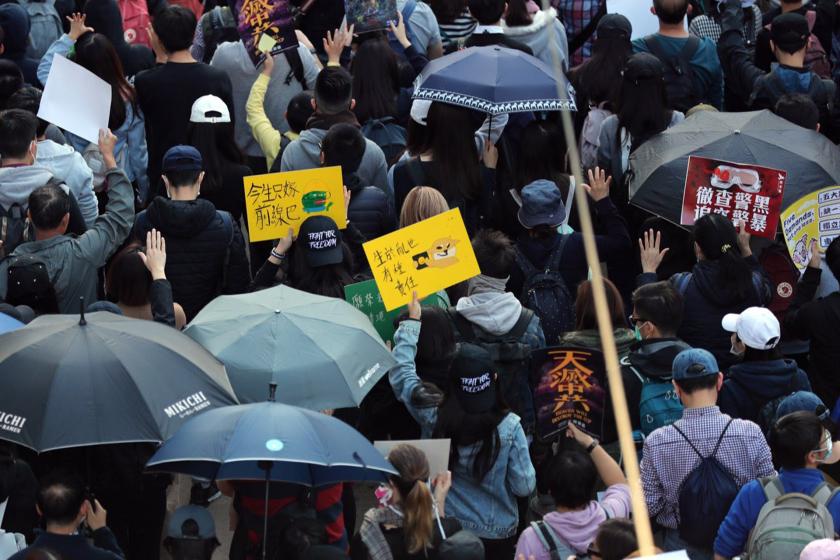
705	496
388	135
407	12
659	404
546	294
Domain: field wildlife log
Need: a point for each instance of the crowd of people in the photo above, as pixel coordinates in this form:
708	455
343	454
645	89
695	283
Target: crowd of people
732	398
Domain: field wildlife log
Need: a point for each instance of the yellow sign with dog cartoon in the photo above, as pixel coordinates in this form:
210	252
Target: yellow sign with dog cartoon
276	202
425	257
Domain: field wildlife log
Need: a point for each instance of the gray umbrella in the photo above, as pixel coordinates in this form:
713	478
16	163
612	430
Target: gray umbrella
658	167
102	379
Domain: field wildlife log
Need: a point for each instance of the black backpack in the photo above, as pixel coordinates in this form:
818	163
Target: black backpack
546	293
511	357
679	75
705	496
218	26
388	135
14	226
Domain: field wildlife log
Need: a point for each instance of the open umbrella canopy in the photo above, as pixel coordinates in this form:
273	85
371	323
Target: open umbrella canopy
494	80
271	441
658	167
102	379
322	352
9	324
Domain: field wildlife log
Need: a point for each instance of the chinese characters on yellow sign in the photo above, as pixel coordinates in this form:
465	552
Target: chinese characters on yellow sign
425	257
278	201
571	388
814	216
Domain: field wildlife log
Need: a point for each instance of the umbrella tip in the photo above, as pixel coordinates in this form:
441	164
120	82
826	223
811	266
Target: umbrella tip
272	390
82	321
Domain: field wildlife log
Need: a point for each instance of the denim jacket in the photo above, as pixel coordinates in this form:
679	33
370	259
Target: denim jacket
487	508
131	135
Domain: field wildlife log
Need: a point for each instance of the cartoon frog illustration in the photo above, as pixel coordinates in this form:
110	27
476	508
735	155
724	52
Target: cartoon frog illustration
316	201
440	254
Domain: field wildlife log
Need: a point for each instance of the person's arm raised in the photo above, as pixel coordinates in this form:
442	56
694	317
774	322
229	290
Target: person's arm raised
608	469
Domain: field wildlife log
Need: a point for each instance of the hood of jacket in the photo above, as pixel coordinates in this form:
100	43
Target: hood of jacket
765	380
655	357
795	80
60	158
15	23
105	17
576	528
591	338
310	142
540	23
180	218
16	183
706	275
495	312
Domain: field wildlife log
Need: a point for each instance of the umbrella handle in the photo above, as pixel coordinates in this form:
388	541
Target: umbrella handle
267	466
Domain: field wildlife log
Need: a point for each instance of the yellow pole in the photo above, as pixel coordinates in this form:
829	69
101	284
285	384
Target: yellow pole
644	534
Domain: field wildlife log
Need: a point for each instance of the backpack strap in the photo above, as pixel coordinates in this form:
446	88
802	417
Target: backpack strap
415	171
525	265
553	264
720	439
811	16
681	281
772	487
462	325
521	325
227	220
548	539
674	425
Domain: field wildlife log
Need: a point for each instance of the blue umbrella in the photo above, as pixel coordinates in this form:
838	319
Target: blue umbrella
9	323
494	80
271	441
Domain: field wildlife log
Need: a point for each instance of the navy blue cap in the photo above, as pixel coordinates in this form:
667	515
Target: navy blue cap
694	363
800	401
182	158
320	239
542	204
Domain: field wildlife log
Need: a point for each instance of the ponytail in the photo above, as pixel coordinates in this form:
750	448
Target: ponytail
419	518
734	271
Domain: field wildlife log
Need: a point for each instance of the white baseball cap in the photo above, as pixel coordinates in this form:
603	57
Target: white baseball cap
420	110
757	327
209	109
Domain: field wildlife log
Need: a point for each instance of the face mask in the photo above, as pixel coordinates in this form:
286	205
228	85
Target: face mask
827	449
383	494
735	352
637	333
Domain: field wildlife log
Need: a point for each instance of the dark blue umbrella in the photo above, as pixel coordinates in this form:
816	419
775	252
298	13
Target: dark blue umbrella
495	80
272	442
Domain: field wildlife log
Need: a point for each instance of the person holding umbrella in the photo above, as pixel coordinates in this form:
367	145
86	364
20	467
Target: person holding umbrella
490	463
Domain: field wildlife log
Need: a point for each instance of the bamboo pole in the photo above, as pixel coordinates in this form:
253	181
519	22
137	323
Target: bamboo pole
641	521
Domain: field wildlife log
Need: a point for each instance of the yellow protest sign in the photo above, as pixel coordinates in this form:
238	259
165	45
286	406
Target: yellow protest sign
425	257
814	216
276	202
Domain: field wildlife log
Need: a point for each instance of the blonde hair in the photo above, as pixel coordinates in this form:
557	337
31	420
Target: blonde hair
420	204
417	504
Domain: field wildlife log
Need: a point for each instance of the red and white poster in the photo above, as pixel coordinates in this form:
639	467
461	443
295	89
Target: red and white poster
739	191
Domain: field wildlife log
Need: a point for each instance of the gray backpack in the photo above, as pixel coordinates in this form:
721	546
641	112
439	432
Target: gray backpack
44	26
788	522
551	541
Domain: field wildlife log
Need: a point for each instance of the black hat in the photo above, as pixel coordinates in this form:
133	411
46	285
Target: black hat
614	24
643	66
182	158
473	378
320	239
789	32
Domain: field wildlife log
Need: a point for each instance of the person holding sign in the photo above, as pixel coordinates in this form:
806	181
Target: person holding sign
206	249
490	462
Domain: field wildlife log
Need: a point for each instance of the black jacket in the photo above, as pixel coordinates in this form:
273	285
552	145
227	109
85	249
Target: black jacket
76	547
500	39
823	28
199	243
19	485
750	385
707	298
370	210
817	322
104	16
16	26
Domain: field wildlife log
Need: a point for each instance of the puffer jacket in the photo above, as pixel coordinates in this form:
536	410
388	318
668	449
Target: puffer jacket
198	243
750	385
369	210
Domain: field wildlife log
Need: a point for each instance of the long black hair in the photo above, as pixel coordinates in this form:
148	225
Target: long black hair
517	14
542	150
642	105
466	429
718	240
451	140
216	143
376	80
326	280
598	79
96	53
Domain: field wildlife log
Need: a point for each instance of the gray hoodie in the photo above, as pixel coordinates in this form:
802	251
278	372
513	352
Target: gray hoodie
538	36
305	153
495	312
69	166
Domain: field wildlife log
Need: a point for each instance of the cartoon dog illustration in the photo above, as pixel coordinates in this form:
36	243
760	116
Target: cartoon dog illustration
440	254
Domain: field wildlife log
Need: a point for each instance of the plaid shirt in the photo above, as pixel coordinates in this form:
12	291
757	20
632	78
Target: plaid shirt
667	458
576	15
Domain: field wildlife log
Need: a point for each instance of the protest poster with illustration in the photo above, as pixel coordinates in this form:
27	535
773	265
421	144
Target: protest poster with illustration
739	191
275	202
365	297
814	216
265	26
572	388
424	257
370	15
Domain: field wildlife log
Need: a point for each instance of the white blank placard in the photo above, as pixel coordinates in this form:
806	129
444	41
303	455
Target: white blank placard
76	100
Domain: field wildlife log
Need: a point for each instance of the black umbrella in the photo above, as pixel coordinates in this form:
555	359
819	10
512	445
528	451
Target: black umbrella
71	382
658	167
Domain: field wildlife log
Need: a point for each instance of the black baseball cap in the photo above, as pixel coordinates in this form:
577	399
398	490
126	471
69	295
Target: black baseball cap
182	158
320	239
473	378
789	32
614	24
643	66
